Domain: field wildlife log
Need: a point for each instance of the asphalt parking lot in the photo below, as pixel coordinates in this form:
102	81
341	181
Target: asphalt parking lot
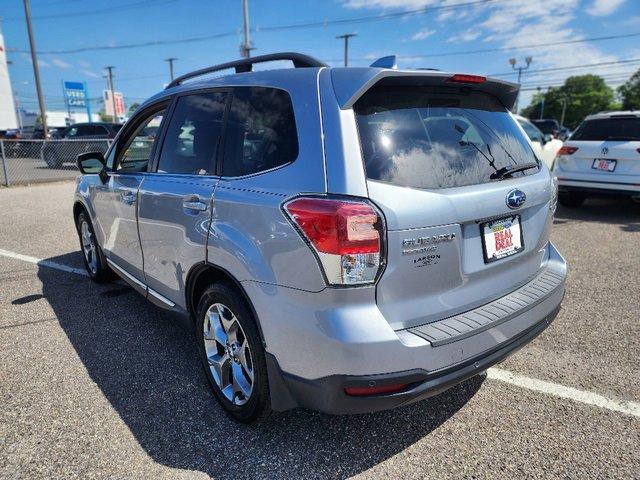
98	383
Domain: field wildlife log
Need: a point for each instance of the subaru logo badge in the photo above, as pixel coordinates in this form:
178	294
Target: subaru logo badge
515	198
605	150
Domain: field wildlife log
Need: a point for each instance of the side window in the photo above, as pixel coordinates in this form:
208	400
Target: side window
261	131
135	152
193	135
85	131
70	132
532	132
100	130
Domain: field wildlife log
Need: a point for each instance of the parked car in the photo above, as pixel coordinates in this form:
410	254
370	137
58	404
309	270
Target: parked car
53	132
545	148
548	126
601	157
55	153
344	239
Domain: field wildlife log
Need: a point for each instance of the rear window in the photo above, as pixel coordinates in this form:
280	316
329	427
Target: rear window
609	129
546	126
432	138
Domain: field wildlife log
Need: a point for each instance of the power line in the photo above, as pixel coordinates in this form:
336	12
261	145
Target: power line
99	11
274	28
506	49
574	67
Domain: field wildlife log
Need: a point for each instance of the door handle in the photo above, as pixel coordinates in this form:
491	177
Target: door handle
194	205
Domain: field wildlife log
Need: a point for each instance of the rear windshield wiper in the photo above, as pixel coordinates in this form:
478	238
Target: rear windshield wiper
506	172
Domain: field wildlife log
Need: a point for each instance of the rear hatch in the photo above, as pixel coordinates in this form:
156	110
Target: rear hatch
460	232
604	147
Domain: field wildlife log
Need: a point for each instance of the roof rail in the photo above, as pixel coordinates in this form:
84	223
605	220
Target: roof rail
299	60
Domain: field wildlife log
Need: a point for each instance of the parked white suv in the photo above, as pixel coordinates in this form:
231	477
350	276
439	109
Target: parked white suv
601	157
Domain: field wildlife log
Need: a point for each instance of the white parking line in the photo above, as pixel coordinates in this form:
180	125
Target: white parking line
570	393
533	384
42	263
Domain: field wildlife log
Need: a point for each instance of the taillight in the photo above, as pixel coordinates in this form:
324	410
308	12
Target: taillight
345	234
462	78
566	151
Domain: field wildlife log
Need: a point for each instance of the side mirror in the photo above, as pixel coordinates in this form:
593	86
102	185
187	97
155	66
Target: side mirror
92	162
547	138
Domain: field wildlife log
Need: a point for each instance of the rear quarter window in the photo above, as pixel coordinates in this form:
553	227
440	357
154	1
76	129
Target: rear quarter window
433	138
261	131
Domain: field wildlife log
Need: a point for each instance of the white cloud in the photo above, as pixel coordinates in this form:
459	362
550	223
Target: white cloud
466	36
604	7
58	62
89	73
84	64
422	34
398	4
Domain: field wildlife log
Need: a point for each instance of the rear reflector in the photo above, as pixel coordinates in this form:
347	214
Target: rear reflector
364	391
345	234
567	151
462	78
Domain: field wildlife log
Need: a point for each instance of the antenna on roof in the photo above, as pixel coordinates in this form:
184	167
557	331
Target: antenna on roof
386	62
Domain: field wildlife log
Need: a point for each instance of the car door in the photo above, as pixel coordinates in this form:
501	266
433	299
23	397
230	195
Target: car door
175	200
116	200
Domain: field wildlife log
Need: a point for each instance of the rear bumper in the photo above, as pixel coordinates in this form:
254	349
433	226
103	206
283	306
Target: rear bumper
328	394
319	344
566	184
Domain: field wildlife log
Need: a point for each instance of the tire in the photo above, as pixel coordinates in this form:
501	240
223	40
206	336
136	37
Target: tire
94	260
571	200
224	323
51	159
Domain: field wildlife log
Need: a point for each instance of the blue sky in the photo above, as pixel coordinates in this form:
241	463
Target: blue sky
514	25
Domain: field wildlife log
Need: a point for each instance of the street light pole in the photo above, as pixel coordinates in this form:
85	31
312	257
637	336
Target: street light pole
346	38
170	60
113	94
36	69
513	62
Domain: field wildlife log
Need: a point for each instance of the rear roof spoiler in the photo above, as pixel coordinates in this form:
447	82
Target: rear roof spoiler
350	84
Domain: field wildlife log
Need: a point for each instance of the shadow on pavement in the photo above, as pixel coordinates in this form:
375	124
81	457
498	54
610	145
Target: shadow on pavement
143	360
620	211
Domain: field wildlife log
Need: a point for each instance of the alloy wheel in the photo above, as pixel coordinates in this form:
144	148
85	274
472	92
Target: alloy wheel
228	354
89	247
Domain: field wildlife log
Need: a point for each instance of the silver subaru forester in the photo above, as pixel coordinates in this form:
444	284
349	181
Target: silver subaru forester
344	239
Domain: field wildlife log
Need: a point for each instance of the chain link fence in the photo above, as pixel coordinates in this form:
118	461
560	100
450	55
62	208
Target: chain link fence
32	161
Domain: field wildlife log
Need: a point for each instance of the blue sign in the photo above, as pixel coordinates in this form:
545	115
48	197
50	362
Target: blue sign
75	94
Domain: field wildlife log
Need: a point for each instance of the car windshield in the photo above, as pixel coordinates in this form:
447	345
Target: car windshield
625	128
432	138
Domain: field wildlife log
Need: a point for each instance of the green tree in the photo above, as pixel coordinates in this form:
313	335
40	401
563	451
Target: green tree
133	107
630	93
583	94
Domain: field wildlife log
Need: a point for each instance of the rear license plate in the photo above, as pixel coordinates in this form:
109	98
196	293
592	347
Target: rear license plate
604	164
501	238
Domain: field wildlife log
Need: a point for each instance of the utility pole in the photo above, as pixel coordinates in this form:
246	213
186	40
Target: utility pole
542	99
346	38
245	48
565	100
36	69
113	94
170	60
513	62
